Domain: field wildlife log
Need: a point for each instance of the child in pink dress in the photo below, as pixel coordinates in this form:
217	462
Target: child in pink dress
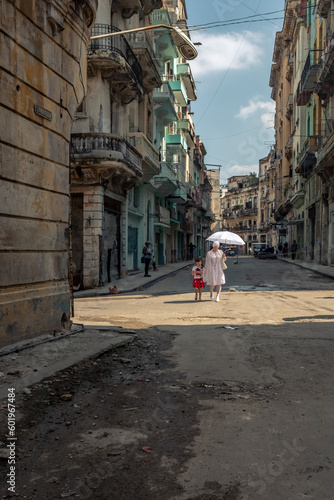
198	283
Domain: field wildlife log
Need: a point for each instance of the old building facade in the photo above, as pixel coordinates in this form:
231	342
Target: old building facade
43	81
137	167
240	209
303	88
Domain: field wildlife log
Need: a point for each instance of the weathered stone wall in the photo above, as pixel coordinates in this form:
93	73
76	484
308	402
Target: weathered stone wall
43	46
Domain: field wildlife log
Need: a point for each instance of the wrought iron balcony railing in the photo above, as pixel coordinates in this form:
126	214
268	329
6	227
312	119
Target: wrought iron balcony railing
117	44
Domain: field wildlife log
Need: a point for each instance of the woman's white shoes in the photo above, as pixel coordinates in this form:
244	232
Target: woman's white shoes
217	298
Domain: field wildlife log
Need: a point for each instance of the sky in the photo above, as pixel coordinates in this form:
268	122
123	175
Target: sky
234	111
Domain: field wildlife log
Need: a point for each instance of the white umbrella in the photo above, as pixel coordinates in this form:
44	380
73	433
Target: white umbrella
226	238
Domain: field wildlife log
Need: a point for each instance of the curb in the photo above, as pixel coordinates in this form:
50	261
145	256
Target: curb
303	266
128	290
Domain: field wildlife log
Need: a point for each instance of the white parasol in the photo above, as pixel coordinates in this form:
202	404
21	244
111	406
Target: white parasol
226	238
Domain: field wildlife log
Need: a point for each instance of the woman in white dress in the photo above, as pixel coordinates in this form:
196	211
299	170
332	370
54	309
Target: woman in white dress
213	271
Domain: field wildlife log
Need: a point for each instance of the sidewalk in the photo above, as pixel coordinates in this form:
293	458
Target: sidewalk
327	271
134	281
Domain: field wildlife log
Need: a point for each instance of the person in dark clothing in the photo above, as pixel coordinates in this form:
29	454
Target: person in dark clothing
147	252
191	250
293	249
285	249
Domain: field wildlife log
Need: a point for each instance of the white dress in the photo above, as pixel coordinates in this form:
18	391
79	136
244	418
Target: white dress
213	271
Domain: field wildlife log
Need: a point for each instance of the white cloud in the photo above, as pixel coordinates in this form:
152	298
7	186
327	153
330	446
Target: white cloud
218	53
255	105
243	169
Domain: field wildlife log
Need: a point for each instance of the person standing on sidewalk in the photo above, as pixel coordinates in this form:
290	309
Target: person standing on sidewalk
293	249
147	252
213	271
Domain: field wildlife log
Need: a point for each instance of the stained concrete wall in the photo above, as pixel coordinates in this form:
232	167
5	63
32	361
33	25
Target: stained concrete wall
43	80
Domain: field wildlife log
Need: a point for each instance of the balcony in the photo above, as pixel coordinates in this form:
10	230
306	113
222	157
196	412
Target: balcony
289	107
100	158
303	96
298	198
178	196
142	46
288	148
165	99
166	182
179	92
150	156
187	226
164	216
150	5
309	75
323	8
325	166
176	140
325	87
165	45
283	210
307	158
131	7
183	71
115	59
289	67
187	127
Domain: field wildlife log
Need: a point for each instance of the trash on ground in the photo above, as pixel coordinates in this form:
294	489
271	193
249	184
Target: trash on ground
233	289
229	327
147	449
66	397
125	361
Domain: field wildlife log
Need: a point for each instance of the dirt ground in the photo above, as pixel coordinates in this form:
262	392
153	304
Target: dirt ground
122	433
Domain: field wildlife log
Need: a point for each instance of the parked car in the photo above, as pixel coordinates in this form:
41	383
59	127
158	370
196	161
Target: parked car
229	251
258	248
267	253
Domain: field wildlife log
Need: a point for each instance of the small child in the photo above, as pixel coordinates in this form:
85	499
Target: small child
198	283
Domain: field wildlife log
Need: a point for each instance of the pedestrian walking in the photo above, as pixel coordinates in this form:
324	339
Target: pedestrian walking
213	271
285	249
197	273
294	249
191	250
147	254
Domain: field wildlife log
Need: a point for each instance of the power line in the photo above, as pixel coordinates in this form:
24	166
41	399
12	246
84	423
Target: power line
234	135
226	73
222	25
236	19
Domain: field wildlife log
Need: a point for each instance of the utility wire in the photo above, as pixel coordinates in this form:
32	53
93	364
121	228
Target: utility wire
237	18
234	135
223	25
226	73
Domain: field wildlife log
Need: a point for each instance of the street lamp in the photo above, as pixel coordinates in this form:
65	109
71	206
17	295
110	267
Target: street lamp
185	46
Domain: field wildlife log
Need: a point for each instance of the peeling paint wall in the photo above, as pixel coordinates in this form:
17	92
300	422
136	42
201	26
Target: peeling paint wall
42	81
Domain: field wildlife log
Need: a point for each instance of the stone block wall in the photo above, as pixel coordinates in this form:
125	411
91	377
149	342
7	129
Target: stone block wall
43	50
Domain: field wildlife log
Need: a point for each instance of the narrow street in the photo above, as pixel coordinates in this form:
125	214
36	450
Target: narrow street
225	401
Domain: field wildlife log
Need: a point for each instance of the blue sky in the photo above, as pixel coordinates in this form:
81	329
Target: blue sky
234	112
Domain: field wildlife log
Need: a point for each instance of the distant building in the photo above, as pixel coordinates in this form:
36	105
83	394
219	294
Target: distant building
240	209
